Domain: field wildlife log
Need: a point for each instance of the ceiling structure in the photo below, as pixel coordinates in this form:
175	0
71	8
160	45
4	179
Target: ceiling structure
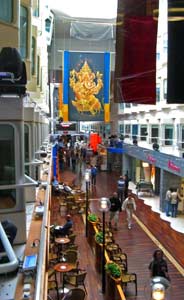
65	20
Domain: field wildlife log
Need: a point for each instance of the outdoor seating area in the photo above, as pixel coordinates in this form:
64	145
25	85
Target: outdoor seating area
115	254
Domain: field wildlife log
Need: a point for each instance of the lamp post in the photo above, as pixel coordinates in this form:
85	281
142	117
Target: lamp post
87	180
159	288
104	206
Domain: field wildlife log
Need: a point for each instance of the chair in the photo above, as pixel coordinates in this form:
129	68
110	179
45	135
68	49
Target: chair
128	278
71	257
72	237
75	294
52	281
76	278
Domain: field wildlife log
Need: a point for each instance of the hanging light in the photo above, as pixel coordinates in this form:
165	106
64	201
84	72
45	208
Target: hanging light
158	291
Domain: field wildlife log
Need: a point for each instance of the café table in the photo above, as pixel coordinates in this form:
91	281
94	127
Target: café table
62	268
60	241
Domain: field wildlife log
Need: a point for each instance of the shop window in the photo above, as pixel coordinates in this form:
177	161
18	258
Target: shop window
168	135
121	106
33	50
26	147
165	42
143	132
121	128
23	31
158	93
38	70
182	137
47	25
36	11
154	133
7	166
6	10
127	130
134	131
165	88
127	105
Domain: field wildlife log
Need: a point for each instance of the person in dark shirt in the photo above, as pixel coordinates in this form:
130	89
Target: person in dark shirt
121	189
126	179
158	265
65	229
114	210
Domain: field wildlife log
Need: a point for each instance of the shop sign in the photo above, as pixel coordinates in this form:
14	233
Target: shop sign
151	159
173	167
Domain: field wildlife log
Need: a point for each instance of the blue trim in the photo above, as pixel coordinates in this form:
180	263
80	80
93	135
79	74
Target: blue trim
54	158
106	77
115	150
66	77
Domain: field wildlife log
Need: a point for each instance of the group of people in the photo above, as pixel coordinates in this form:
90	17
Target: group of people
171	200
123	199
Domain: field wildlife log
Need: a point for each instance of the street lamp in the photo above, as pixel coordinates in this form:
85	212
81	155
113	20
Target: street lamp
87	180
159	288
104	206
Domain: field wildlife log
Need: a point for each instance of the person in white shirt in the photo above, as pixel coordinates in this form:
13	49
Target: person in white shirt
129	206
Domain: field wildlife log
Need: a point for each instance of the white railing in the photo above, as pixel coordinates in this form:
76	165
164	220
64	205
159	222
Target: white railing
13	261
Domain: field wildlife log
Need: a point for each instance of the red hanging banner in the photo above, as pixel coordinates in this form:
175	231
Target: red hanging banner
135	66
138	81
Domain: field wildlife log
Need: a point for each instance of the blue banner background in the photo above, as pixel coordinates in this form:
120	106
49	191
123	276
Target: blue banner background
97	62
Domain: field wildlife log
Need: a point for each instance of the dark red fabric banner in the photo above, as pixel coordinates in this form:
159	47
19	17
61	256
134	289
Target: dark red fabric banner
138	81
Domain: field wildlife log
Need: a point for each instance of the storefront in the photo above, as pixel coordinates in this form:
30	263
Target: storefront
163	170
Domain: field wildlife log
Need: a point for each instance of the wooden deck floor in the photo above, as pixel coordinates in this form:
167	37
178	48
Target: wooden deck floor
135	242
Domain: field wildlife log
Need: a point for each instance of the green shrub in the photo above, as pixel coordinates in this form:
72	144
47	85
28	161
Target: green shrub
92	218
113	269
99	237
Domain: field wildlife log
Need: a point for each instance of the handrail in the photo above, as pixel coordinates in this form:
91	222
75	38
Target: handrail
41	268
13	261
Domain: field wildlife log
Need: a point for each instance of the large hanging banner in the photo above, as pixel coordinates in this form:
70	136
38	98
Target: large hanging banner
135	66
86	86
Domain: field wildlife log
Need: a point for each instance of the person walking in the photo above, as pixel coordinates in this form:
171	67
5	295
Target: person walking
126	179
93	175
121	189
114	210
168	202
158	265
129	206
174	203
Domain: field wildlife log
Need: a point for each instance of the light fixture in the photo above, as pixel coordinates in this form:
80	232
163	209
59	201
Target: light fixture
158	291
87	180
145	164
159	288
104	204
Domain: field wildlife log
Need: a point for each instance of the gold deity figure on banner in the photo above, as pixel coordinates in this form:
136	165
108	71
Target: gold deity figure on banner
85	88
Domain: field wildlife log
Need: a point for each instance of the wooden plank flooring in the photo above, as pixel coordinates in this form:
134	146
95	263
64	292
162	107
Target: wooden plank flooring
136	243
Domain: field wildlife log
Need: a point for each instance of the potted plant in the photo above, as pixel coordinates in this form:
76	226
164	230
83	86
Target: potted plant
92	218
99	237
113	270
